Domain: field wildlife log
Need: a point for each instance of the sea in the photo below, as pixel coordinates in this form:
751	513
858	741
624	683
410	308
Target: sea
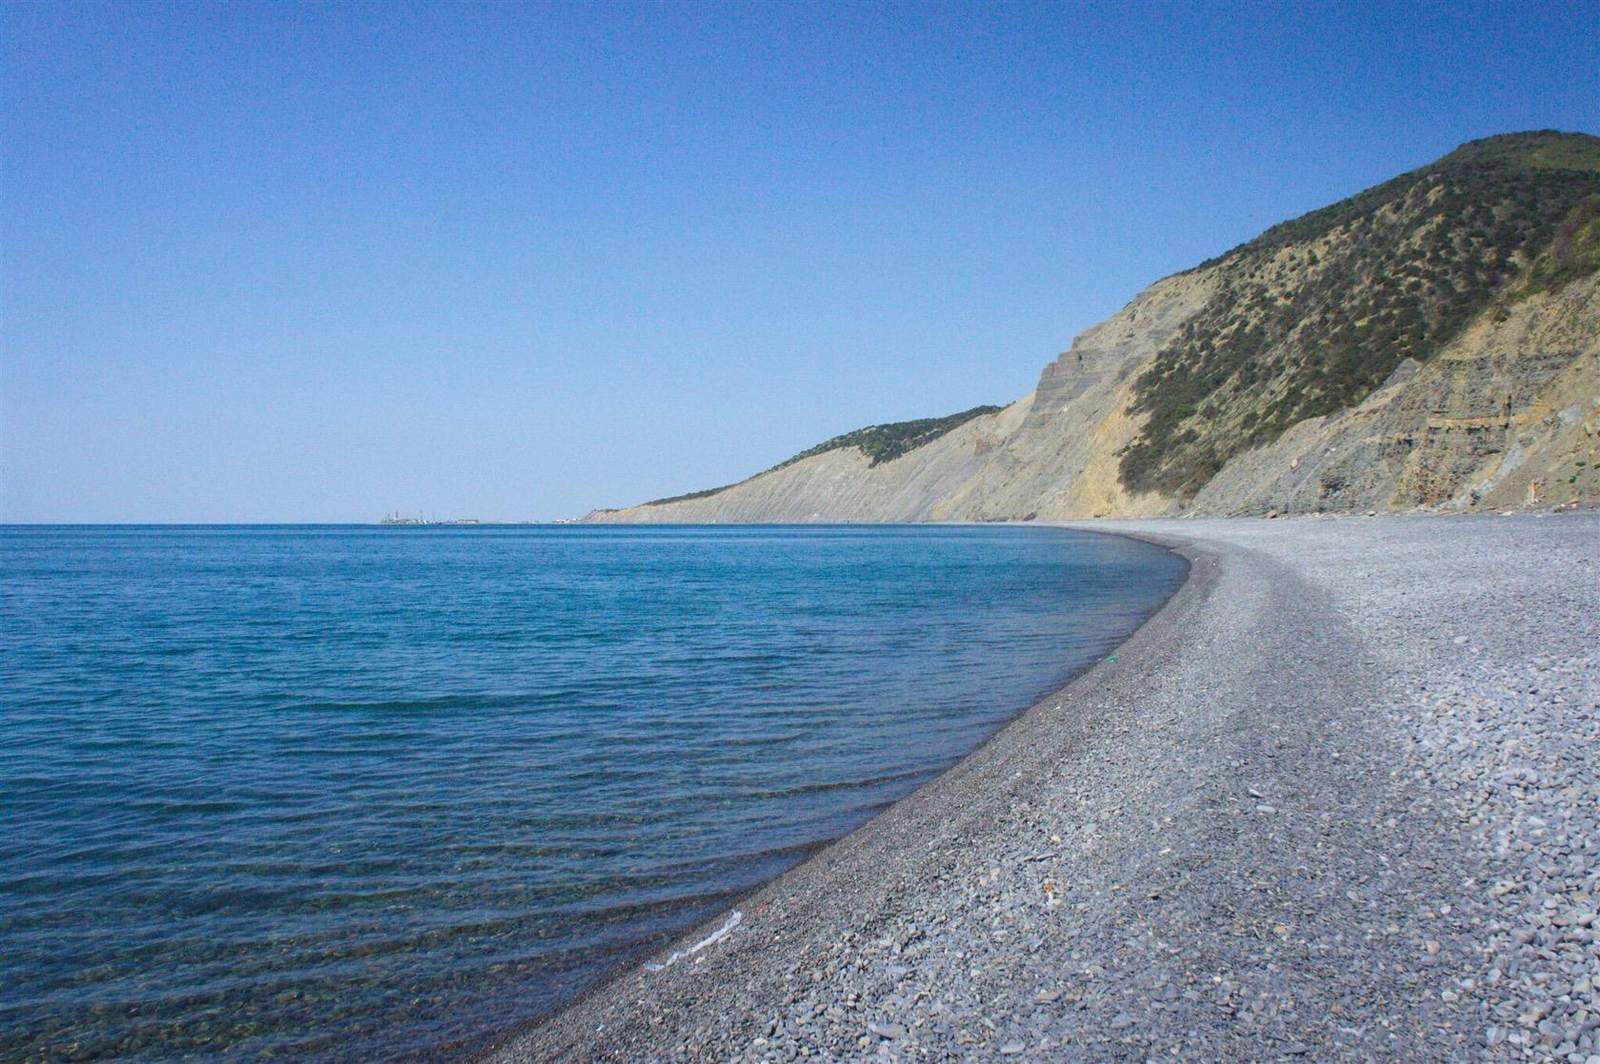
356	793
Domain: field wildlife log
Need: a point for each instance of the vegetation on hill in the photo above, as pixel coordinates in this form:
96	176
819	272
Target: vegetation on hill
885	443
1314	314
880	443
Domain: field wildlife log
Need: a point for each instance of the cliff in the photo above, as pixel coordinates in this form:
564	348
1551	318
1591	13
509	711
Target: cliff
1433	342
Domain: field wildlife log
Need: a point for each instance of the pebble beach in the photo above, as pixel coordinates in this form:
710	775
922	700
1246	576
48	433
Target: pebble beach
1338	800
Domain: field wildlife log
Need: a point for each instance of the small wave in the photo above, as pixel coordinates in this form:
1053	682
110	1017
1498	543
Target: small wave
763	740
710	940
827	786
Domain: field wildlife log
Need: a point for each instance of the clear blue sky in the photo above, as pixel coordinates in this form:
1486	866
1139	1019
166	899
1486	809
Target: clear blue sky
286	262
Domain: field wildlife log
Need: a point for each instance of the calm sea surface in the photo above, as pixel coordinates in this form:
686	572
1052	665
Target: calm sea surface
339	793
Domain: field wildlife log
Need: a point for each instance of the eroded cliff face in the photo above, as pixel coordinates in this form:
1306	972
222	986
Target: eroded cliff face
1512	405
1050	454
1430	343
1505	416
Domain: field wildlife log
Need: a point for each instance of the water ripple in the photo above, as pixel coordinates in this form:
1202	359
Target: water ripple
339	794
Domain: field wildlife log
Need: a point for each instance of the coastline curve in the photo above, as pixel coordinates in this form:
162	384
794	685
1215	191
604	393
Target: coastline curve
1305	814
806	895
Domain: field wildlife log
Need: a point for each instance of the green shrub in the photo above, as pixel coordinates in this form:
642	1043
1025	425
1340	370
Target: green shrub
1408	265
880	443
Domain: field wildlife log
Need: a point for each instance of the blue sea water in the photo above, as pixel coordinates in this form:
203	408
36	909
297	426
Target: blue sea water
344	793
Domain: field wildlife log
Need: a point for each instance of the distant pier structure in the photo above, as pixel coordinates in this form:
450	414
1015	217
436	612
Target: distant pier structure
398	518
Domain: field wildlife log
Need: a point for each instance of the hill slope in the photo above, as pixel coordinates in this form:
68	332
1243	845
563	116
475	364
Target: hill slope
1433	341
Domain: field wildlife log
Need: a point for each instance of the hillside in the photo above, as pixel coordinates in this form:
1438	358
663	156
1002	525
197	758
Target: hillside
878	443
1432	342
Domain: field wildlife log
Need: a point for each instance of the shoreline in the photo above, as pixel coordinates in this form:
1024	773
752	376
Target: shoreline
493	1048
509	1045
1238	777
